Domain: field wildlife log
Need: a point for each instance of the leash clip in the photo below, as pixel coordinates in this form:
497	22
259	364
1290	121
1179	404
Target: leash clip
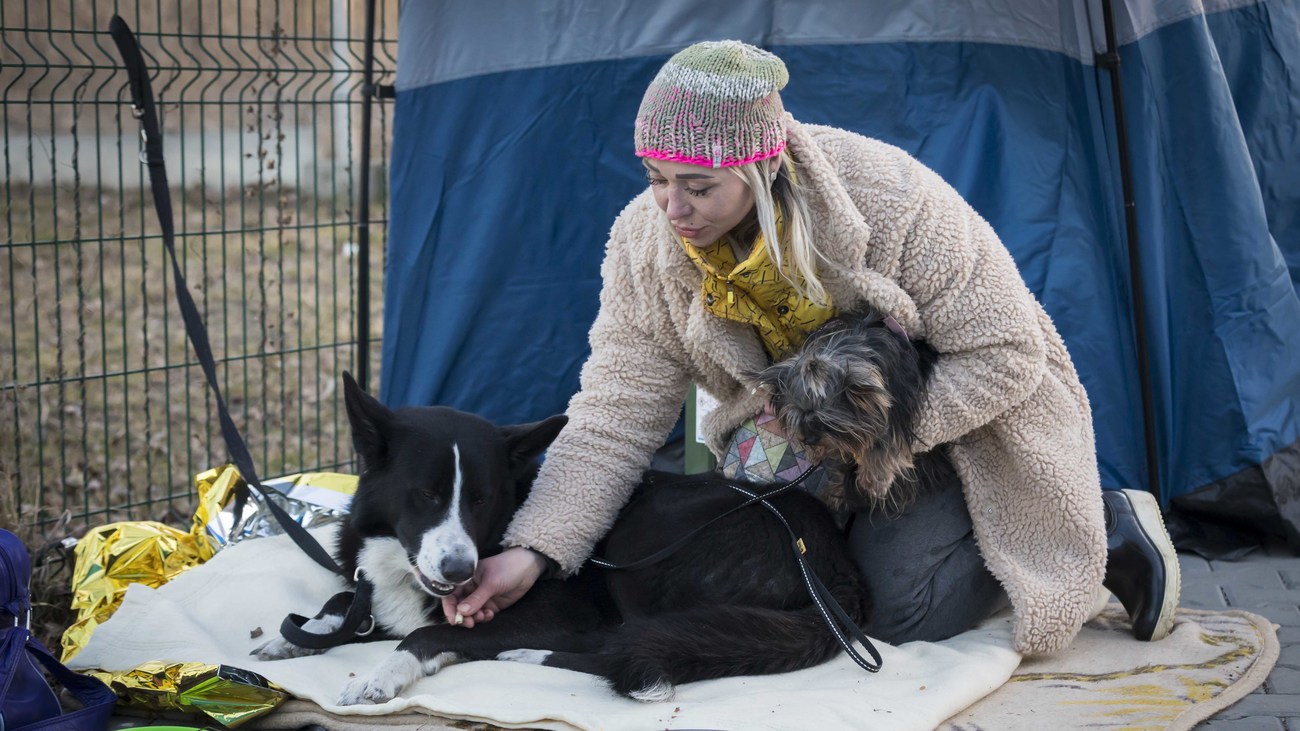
137	111
144	144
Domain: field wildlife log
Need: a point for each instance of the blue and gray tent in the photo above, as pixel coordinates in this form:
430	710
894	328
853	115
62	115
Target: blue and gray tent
512	156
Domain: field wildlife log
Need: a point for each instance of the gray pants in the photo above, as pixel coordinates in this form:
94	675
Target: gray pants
926	574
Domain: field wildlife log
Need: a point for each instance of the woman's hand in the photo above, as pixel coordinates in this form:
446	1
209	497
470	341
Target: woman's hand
498	582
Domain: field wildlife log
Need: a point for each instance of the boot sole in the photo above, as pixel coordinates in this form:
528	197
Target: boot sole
1147	511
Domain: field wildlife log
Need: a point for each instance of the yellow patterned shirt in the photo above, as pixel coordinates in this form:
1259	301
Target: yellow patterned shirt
753	292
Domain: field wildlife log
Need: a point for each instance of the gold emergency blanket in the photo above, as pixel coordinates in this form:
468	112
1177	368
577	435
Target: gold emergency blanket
112	557
229	696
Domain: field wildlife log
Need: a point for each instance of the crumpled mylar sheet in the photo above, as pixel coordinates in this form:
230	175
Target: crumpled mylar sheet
311	499
228	695
114	556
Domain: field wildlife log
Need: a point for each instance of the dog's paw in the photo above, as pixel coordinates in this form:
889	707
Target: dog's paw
368	690
531	657
281	649
386	682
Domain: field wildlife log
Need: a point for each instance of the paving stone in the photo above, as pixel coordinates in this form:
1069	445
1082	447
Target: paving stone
1202	595
1257	723
1266	578
1288	616
1283	680
1192	565
1267	583
1279	605
1289	658
1261	704
1290	578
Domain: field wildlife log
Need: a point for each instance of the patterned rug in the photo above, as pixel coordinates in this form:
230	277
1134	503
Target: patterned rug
1107	681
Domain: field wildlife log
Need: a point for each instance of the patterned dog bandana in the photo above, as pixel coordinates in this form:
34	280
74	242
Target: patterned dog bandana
759	451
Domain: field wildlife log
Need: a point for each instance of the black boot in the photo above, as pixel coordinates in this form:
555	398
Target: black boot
1141	565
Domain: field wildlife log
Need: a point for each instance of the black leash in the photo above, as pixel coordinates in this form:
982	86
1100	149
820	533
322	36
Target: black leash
826	603
144	109
673	547
839	622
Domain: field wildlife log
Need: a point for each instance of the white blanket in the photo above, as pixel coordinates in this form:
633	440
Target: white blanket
209	613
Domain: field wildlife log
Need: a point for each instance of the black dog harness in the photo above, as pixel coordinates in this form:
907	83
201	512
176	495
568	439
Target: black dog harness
840	623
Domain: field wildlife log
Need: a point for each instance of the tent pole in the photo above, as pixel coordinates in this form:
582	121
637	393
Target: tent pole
1110	61
362	356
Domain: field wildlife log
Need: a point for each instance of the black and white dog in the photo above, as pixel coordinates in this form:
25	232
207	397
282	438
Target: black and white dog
439	486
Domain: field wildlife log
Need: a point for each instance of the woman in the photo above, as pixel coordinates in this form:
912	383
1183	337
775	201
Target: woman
828	221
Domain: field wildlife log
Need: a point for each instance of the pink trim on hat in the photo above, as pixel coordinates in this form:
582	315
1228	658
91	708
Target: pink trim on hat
708	161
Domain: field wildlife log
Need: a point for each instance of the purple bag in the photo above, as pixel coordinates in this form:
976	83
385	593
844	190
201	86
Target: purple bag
27	703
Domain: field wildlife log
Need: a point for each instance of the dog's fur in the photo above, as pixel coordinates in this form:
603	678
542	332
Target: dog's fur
438	487
850	396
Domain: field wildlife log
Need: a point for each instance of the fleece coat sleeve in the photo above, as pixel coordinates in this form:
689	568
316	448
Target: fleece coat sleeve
973	305
631	392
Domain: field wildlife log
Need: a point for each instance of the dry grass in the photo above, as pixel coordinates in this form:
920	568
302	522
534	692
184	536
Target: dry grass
104	415
109	416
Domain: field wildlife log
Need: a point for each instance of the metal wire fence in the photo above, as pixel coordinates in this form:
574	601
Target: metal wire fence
103	411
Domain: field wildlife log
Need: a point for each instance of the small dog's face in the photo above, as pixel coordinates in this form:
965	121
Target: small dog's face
848	396
440	481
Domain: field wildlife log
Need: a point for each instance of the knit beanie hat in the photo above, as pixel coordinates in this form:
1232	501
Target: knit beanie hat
714	103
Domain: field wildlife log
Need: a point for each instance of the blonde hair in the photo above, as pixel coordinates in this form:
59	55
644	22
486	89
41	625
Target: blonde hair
800	267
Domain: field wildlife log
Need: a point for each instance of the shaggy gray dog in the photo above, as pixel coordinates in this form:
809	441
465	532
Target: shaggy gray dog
850	396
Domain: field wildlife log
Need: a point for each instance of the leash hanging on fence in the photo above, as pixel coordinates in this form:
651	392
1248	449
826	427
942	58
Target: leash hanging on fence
358	621
151	154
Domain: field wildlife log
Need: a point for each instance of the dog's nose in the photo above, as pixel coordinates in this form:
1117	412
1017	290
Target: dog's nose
456	569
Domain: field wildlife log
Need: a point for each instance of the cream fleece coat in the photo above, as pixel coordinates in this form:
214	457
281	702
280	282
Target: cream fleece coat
1003	393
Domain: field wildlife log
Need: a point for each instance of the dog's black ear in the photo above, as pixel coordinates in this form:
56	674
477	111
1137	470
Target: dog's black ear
370	420
525	441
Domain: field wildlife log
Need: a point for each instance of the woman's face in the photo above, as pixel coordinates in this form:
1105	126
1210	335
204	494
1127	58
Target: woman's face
702	203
